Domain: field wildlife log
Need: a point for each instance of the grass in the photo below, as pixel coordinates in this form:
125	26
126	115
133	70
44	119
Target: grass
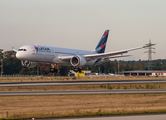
51	78
21	107
80	114
87	87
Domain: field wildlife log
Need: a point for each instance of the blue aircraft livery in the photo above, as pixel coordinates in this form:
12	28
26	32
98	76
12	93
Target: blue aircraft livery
102	44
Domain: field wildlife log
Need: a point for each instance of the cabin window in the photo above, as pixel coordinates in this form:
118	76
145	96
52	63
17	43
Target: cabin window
22	50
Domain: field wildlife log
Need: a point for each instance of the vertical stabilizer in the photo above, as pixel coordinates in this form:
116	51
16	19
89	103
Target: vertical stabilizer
102	44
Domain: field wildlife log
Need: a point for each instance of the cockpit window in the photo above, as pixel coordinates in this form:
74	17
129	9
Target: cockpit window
22	50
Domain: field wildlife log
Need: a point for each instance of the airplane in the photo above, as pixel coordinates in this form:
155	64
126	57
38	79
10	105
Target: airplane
31	55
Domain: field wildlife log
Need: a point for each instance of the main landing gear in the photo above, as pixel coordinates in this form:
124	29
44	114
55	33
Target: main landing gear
77	69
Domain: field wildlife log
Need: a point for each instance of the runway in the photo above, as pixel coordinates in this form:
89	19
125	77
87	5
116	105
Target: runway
92	82
82	92
117	117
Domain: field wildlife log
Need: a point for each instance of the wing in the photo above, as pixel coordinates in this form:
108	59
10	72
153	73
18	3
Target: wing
109	54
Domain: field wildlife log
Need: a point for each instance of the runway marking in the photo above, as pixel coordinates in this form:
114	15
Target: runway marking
82	92
59	83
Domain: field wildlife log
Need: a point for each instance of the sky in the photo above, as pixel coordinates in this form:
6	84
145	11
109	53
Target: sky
79	24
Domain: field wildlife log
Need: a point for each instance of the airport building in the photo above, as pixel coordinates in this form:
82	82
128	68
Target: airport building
159	73
144	73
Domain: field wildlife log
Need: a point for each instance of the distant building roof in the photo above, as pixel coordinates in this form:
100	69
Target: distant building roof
144	71
138	71
159	72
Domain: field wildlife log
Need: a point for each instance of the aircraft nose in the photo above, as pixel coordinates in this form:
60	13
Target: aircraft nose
18	55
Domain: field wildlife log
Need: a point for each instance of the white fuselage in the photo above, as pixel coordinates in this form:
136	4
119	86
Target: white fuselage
48	54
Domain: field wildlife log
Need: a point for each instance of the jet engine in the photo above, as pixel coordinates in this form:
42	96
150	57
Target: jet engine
28	64
77	61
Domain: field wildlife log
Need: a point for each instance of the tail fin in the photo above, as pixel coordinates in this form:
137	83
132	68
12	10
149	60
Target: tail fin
102	44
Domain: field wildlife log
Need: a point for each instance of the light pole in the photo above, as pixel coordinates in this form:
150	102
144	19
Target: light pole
118	67
1	51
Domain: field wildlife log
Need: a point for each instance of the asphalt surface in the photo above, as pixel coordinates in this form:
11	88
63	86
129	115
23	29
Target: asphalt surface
117	117
92	82
82	92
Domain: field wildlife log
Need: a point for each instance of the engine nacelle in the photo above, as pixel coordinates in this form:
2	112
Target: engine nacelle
77	61
28	64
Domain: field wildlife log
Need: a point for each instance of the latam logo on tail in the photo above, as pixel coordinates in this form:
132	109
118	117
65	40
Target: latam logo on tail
101	47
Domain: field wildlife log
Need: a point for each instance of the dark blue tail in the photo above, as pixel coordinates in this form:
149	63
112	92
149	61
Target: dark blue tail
102	44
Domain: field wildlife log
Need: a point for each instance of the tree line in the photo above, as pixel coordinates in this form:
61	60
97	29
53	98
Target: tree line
12	66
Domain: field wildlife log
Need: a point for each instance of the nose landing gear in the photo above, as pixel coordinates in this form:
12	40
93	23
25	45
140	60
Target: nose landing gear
54	68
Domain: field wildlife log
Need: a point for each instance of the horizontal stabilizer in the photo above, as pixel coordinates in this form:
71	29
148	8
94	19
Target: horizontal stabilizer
120	56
